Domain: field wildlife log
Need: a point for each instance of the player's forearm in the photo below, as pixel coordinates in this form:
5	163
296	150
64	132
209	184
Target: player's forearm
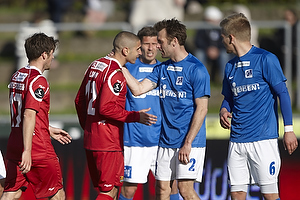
28	128
198	119
133	84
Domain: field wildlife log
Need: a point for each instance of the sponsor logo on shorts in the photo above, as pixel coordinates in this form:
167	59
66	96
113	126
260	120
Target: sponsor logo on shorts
51	189
127	171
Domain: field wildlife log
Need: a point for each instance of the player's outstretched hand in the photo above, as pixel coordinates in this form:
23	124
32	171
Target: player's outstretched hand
146	118
224	121
60	135
290	142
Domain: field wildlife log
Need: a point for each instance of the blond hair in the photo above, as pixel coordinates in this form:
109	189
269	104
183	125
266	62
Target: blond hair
237	25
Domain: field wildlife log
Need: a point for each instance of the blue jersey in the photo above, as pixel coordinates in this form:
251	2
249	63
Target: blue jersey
180	83
137	134
248	83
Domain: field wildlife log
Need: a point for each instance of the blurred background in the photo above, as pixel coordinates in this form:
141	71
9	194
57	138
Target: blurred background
86	29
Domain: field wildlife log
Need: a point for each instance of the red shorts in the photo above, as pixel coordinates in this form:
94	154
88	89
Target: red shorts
44	177
106	169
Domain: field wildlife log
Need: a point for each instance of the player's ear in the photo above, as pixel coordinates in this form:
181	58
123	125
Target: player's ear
125	51
44	55
174	42
231	38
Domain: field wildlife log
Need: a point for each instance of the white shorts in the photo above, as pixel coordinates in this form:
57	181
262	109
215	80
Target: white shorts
170	168
137	163
2	167
254	162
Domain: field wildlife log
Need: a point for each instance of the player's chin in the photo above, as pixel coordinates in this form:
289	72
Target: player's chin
132	61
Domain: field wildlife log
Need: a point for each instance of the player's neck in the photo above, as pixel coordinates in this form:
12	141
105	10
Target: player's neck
243	48
179	54
37	65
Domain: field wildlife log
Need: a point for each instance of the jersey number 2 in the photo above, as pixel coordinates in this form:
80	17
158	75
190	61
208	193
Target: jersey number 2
91	93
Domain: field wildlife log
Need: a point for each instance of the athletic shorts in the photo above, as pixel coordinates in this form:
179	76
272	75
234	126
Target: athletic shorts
106	169
254	162
138	161
170	168
2	167
44	177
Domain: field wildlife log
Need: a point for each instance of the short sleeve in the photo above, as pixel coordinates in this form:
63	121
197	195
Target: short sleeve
38	88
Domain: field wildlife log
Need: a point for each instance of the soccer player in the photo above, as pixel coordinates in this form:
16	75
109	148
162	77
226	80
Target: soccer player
184	88
31	159
2	174
100	105
252	82
140	141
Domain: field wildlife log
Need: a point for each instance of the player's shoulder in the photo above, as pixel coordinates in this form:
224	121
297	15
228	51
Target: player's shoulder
262	52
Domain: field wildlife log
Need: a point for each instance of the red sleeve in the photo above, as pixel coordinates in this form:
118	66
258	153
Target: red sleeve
38	88
112	99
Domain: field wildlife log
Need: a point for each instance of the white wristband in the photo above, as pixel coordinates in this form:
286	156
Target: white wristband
288	128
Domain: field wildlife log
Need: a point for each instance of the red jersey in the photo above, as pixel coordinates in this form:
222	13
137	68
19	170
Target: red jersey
29	89
100	106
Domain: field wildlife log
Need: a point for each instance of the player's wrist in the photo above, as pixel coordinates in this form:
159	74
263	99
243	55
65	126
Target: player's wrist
288	128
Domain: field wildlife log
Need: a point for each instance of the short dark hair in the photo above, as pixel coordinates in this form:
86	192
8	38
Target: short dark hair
39	43
124	39
173	28
147	31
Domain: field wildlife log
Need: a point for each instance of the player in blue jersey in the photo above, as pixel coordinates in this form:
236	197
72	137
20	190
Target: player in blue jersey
141	141
184	89
252	82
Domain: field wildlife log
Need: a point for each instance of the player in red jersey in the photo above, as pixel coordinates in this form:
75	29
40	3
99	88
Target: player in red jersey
100	105
31	156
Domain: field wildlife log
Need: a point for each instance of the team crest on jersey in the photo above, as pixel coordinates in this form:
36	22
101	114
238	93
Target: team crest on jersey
117	87
179	80
249	73
39	93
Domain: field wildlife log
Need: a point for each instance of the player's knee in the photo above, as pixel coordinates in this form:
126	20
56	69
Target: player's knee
186	191
11	195
270	196
128	192
162	188
238	195
238	192
60	195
